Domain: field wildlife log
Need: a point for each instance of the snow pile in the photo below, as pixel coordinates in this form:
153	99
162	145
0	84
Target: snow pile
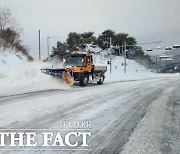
18	75
93	48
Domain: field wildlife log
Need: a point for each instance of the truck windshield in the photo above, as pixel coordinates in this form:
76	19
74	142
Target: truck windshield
74	61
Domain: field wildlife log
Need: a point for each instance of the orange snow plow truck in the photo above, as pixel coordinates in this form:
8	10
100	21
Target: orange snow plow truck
80	68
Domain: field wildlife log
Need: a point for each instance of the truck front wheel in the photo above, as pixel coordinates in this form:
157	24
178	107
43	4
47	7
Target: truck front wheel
84	80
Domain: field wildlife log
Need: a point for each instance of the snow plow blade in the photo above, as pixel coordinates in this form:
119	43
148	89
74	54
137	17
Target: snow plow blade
53	72
60	73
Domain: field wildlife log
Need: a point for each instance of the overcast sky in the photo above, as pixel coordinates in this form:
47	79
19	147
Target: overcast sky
146	20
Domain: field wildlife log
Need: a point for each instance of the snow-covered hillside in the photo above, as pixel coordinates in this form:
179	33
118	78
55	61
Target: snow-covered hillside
17	75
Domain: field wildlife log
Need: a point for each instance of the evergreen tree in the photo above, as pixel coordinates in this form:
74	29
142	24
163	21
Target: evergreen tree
87	38
59	50
73	41
131	41
120	38
103	39
76	41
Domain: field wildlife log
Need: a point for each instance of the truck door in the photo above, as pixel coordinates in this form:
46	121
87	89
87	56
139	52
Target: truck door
89	63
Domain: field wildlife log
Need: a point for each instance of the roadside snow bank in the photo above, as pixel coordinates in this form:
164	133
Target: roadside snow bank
17	75
150	135
134	71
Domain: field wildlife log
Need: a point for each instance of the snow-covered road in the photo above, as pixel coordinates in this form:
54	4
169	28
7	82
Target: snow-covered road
127	117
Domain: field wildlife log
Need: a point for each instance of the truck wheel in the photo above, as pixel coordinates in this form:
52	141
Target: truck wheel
84	80
101	80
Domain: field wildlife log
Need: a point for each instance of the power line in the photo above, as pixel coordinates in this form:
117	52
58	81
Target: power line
150	43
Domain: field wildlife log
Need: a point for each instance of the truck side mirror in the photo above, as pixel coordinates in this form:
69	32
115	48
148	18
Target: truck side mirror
88	60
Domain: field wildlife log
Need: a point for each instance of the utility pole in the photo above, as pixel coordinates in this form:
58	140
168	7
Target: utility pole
119	49
122	48
39	45
124	57
110	42
48	37
48	45
156	65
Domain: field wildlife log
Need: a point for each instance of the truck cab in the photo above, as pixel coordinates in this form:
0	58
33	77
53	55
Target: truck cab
82	69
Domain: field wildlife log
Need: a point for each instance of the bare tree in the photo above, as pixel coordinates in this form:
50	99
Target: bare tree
8	21
10	32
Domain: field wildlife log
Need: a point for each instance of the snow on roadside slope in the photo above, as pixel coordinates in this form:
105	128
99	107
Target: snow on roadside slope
134	71
19	75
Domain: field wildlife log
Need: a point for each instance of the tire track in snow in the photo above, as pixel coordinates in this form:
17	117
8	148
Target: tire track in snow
41	93
101	98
